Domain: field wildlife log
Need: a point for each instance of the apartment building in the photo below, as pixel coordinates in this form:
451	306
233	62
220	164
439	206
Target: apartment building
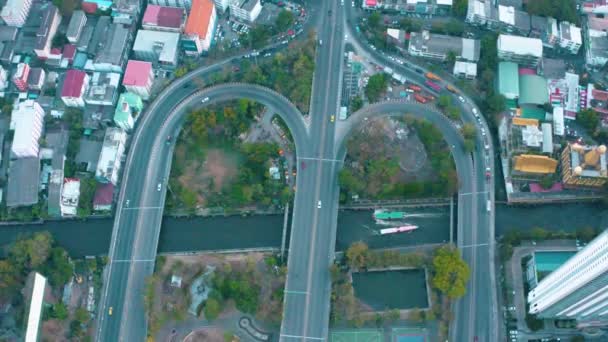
245	10
28	121
15	12
21	75
46	32
74	88
109	163
200	25
139	78
76	25
520	50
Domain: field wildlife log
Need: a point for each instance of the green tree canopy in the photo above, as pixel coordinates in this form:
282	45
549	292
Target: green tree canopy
212	309
357	255
376	85
589	119
450	272
284	20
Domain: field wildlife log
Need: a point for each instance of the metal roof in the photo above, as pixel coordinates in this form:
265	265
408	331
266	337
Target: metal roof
533	90
22	189
508	80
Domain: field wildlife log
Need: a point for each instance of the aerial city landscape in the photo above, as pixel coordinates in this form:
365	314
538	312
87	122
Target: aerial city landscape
304	170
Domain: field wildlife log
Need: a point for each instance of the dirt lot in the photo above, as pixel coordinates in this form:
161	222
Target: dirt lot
206	335
210	173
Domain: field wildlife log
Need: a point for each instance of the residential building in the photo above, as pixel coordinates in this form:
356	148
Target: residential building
35	79
74	88
521	50
572	95
126	11
514	21
577	289
46	31
112	151
222	5
139	78
112	52
21	75
596	52
584	166
23	181
542	263
551	36
103	90
4	81
15	12
533	90
157	47
187	4
438	46
570	37
538	26
104	196
69	197
55	149
466	70
35	306
160	18
77	23
127	110
422	7
482	13
28	121
558	121
245	10
199	27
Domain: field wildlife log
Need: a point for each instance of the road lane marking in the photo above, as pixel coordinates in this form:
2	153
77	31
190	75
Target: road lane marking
304	337
476	245
296	292
321	159
473	193
133	260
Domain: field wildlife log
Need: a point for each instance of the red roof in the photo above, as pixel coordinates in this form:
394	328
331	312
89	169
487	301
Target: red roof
163	16
104	194
69	51
199	18
137	73
89	7
72	85
599	95
527	71
370	3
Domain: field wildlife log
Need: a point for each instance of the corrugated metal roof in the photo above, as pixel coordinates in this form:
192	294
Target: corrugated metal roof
524	122
72	85
533	90
508	79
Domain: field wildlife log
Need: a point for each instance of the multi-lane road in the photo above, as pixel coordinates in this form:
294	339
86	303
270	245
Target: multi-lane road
319	146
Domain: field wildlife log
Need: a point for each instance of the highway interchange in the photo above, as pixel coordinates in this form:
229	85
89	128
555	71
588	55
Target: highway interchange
320	149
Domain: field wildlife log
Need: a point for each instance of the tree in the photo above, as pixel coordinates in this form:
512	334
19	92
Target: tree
334	272
450	272
468	131
415	315
356	103
66	7
459	8
88	186
586	234
562	10
349	182
59	311
546	182
59	268
376	85
392	315
443	101
374	20
589	119
212	309
284	20
357	255
538	233
453	113
82	316
32	252
451	57
59	40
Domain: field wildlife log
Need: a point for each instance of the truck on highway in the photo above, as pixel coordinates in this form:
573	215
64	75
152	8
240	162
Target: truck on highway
420	98
388	70
451	89
433	85
432	76
414	87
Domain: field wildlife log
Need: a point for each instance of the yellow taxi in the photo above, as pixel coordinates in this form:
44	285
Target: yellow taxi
332	118
110	311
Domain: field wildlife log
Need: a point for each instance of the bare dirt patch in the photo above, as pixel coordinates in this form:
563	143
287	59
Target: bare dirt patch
206	335
211	173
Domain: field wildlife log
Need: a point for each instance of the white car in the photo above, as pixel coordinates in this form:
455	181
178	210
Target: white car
474	111
461	99
319	205
159	186
205	99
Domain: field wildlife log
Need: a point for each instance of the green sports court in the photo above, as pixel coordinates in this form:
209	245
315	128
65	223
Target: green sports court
357	335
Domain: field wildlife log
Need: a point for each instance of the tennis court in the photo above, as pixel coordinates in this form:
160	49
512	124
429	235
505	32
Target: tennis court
409	335
357	335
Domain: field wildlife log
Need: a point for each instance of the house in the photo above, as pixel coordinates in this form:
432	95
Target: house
46	31
104	196
74	88
596	52
160	18
97	117
157	47
187	4
127	110
35	79
466	70
521	50
438	46
27	119
69	197
15	12
77	24
126	11
514	21
200	25
570	37
23	178
21	75
88	153
92	6
109	163
245	10
112	52
139	78
103	90
56	144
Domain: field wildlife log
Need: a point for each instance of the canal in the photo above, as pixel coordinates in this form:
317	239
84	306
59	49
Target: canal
92	237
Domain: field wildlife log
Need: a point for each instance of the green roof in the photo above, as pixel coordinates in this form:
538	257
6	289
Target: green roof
134	104
508	79
550	261
533	90
529	112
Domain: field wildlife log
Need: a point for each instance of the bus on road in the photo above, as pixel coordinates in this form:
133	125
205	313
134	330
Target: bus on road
433	85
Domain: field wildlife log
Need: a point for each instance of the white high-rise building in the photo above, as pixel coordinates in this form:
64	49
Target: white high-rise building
108	166
578	289
15	12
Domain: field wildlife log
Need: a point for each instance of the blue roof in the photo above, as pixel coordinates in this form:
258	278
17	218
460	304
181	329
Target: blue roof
550	261
80	60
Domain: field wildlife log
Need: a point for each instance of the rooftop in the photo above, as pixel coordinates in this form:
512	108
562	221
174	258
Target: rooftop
520	45
508	79
104	87
75	25
88	153
72	85
114	49
570	32
166	42
588	161
163	16
51	13
533	90
22	189
137	73
535	164
104	194
199	17
442	44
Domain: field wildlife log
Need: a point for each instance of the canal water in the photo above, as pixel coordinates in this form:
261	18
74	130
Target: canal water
385	289
92	237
